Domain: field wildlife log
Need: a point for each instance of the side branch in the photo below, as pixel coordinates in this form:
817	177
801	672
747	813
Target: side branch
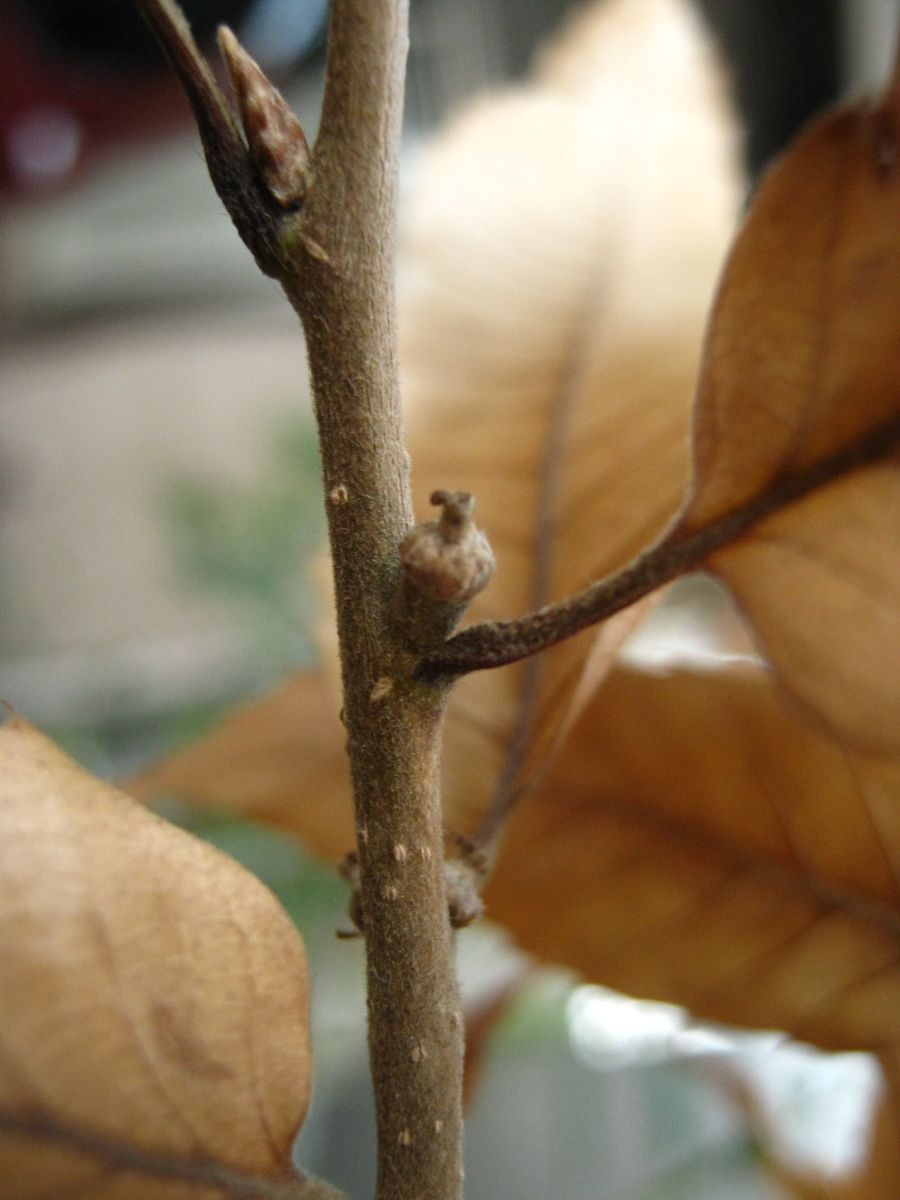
499	643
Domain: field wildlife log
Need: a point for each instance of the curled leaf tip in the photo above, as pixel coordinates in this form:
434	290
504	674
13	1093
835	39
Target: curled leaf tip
448	560
275	137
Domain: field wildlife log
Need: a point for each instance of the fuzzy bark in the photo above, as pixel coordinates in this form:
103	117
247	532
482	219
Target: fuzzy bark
342	245
324	226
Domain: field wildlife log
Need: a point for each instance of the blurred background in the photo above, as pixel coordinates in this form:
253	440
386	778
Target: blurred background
159	495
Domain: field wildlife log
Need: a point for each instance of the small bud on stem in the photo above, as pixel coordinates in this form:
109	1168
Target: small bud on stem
275	138
445	563
448	560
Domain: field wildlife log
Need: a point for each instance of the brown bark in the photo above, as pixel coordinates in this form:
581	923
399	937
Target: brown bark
327	233
344	292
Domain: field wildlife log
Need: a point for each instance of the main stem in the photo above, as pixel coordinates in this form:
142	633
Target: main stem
344	292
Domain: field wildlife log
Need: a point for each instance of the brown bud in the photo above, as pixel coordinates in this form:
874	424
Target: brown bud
464	874
274	135
448	560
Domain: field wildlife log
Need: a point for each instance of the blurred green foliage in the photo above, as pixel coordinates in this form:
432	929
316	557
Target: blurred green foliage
249	543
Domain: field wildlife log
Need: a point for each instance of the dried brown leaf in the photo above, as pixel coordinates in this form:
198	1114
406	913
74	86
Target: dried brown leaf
154	1002
698	843
559	255
278	759
802	363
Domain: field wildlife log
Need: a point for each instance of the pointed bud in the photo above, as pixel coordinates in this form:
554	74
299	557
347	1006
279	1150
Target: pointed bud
274	135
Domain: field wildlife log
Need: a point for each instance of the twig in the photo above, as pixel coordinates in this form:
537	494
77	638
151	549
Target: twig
324	226
498	643
343	288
